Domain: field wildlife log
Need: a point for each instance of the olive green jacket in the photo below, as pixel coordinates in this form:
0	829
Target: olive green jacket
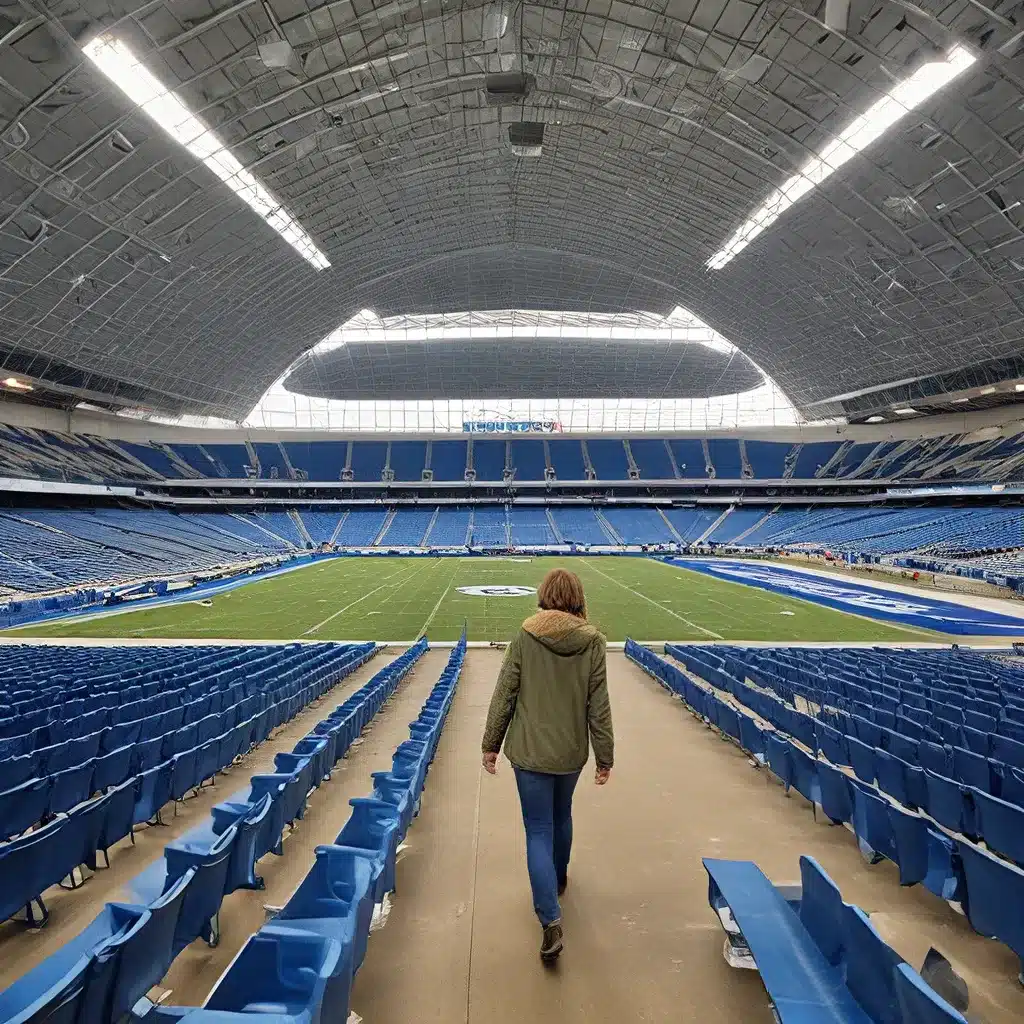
551	692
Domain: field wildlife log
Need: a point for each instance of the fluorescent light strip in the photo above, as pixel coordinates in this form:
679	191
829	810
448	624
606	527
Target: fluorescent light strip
901	99
135	80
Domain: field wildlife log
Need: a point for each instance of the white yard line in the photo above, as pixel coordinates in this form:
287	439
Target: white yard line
649	600
430	617
358	600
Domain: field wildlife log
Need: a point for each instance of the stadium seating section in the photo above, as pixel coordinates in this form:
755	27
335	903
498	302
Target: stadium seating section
921	753
48	550
47	455
300	965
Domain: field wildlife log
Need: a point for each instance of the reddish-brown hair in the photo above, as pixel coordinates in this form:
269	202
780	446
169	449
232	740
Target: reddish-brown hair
562	591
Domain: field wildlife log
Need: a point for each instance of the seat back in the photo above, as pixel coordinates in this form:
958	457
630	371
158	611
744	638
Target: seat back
1000	824
23	806
870	962
148	956
993	898
821	909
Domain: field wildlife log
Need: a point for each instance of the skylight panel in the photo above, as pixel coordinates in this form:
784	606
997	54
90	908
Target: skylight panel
861	132
141	86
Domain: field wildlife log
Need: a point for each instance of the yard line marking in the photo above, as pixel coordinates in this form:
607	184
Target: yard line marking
369	593
636	593
430	617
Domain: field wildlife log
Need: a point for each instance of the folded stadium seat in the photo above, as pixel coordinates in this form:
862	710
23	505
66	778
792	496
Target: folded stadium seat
208	759
862	757
122	734
752	737
924	855
153	791
972	769
805	774
16	770
373	827
948	804
1007	750
119	820
777	751
209	860
835	799
919	1002
113	768
976	741
728	720
1000	824
978	720
832	744
184	774
1011	783
821	910
249	846
282	973
23	806
890	773
300	767
871	824
935	758
993	897
866	731
57	990
148	956
870	963
335	899
61	756
322	748
27	867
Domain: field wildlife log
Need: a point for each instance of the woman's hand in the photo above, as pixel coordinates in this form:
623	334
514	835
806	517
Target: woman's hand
491	764
601	776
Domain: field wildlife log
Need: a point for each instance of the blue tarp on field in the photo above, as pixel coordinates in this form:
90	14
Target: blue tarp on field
859	598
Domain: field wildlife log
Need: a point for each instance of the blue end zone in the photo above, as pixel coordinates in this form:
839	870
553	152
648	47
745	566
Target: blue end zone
889	605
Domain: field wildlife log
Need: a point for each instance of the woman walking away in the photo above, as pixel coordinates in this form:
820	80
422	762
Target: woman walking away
552	690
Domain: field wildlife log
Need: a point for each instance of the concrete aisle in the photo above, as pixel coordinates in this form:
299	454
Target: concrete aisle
641	941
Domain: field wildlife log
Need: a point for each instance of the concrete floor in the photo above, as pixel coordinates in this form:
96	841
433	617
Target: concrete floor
641	941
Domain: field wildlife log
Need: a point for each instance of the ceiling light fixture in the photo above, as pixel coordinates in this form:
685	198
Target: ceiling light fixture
1018	387
905	411
17	385
990	390
875	419
136	81
899	100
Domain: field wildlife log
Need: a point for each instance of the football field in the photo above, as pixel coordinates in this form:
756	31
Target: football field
393	598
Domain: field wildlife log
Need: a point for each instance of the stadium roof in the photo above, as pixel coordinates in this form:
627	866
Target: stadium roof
586	156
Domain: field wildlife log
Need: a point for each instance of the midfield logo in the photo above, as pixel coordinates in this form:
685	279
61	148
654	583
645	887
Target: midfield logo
497	591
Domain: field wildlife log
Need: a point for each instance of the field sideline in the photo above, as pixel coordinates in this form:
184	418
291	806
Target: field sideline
401	598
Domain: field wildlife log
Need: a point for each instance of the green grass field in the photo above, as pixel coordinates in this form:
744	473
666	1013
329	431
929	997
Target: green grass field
400	598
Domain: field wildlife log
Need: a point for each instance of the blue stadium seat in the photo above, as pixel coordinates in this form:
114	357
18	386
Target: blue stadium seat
23	806
870	963
993	897
1000	824
281	971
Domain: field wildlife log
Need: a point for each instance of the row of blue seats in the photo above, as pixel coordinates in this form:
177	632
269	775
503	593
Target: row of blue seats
100	976
954	869
60	708
848	735
43	857
298	968
820	958
57	778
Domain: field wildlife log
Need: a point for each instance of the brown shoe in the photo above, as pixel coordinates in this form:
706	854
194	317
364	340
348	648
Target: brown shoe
551	944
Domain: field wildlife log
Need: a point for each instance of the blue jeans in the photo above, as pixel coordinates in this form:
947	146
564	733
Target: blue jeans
547	815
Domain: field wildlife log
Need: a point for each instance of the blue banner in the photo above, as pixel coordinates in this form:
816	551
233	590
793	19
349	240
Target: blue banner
860	599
